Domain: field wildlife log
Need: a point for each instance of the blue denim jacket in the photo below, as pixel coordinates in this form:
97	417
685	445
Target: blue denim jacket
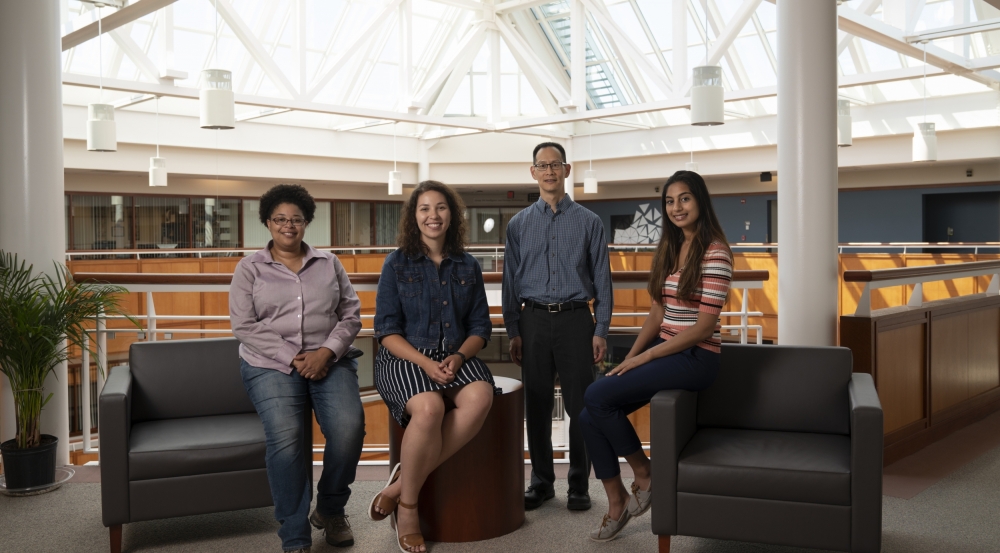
415	298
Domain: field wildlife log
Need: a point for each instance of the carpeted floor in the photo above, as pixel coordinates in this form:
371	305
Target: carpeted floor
958	513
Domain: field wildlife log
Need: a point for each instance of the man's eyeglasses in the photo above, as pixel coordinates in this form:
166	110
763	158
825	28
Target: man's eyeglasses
282	221
556	166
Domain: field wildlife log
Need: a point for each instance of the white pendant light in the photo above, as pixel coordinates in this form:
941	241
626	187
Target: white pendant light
691	165
590	176
707	105
395	177
101	133
218	105
844	123
925	138
157	165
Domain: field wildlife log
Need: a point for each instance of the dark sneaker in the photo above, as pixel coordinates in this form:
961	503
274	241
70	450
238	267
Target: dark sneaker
577	501
303	550
535	496
337	529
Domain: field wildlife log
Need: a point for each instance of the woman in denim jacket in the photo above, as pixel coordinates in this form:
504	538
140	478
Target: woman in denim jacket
431	319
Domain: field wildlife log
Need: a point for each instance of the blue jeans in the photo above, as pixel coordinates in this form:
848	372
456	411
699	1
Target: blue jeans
608	402
281	401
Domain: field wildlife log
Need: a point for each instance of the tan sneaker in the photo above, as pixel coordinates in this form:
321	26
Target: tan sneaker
640	501
609	528
336	528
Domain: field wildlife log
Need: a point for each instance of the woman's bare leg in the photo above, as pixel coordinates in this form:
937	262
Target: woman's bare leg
418	455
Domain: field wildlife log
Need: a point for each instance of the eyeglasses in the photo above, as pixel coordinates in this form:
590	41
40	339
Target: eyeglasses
282	221
556	166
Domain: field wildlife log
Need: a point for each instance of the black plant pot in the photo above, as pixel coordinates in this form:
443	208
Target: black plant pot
32	467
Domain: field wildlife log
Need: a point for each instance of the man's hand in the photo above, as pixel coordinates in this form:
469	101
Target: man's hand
312	364
600	348
515	350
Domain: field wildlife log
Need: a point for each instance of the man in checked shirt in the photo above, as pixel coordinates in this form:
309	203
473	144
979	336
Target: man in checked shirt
555	262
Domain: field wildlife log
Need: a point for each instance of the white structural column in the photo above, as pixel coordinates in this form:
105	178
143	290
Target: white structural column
807	173
578	55
680	49
31	170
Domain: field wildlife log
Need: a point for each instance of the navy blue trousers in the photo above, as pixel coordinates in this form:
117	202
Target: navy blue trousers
608	402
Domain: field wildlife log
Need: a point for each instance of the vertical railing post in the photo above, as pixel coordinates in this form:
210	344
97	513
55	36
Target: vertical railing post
150	318
744	331
102	352
85	425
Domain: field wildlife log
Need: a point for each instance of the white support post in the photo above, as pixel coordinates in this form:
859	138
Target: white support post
85	423
864	308
807	167
680	45
578	55
571	159
299	48
744	331
917	297
102	353
994	287
150	318
165	35
962	43
405	36
495	96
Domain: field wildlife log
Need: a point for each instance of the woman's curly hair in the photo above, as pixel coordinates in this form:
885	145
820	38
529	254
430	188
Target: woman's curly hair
408	238
287	194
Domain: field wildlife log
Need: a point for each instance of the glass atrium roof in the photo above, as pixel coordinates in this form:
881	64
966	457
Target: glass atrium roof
374	61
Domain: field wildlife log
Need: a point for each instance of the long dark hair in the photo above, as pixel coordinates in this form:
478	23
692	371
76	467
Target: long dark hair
666	261
408	238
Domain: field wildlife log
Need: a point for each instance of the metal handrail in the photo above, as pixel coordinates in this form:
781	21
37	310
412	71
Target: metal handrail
917	276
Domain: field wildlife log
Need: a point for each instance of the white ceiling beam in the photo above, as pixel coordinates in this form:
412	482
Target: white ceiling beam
578	55
680	45
359	41
257	114
189	93
883	34
516	5
112	21
623	41
657	48
135	53
867	7
466	4
242	76
726	38
299	44
532	64
132	100
404	37
457	74
956	30
433	84
254	46
523	21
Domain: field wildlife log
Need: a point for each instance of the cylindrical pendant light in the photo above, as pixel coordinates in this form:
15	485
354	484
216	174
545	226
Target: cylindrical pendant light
590	176
157	165
844	123
218	108
925	139
691	166
101	133
157	171
707	106
925	143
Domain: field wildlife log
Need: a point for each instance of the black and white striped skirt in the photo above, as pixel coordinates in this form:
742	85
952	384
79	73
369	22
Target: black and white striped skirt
397	380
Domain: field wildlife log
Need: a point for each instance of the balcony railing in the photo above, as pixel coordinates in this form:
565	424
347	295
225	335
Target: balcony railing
150	283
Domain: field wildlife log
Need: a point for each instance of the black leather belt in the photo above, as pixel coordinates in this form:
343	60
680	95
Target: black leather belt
556	307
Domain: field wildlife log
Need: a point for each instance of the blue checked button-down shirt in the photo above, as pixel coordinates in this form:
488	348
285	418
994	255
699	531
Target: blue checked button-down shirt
555	258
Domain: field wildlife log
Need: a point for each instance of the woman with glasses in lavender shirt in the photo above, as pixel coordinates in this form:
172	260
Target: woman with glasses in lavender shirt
296	315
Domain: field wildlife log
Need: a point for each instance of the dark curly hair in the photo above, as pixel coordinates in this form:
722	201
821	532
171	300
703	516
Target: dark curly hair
408	238
287	194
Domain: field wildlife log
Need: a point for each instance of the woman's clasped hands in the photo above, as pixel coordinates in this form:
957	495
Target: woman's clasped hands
442	372
313	365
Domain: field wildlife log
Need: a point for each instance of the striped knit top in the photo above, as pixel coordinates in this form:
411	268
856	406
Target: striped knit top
708	297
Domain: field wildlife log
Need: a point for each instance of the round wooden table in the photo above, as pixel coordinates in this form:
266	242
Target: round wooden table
478	493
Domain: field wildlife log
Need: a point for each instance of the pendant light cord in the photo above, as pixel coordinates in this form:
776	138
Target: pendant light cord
216	34
394	145
924	44
590	142
157	126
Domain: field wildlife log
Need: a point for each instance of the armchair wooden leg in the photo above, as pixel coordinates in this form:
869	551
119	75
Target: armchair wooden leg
664	544
116	538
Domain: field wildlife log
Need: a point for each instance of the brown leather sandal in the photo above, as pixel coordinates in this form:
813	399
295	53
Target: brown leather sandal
410	540
387	504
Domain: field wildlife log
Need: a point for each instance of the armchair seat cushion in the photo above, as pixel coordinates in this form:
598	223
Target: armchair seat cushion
197	445
756	464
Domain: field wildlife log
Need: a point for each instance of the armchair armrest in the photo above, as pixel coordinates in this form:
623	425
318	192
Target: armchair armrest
115	413
866	464
673	421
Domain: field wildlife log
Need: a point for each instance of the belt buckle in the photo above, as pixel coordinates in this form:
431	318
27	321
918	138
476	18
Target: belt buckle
557	307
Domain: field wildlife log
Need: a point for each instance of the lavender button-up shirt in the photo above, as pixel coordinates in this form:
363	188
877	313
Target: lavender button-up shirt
277	314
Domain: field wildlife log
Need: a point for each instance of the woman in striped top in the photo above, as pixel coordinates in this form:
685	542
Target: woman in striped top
677	348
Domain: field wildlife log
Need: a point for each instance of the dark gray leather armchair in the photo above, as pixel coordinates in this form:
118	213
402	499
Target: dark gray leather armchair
179	436
784	448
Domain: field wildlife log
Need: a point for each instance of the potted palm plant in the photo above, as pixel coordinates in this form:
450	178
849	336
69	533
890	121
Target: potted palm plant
41	316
